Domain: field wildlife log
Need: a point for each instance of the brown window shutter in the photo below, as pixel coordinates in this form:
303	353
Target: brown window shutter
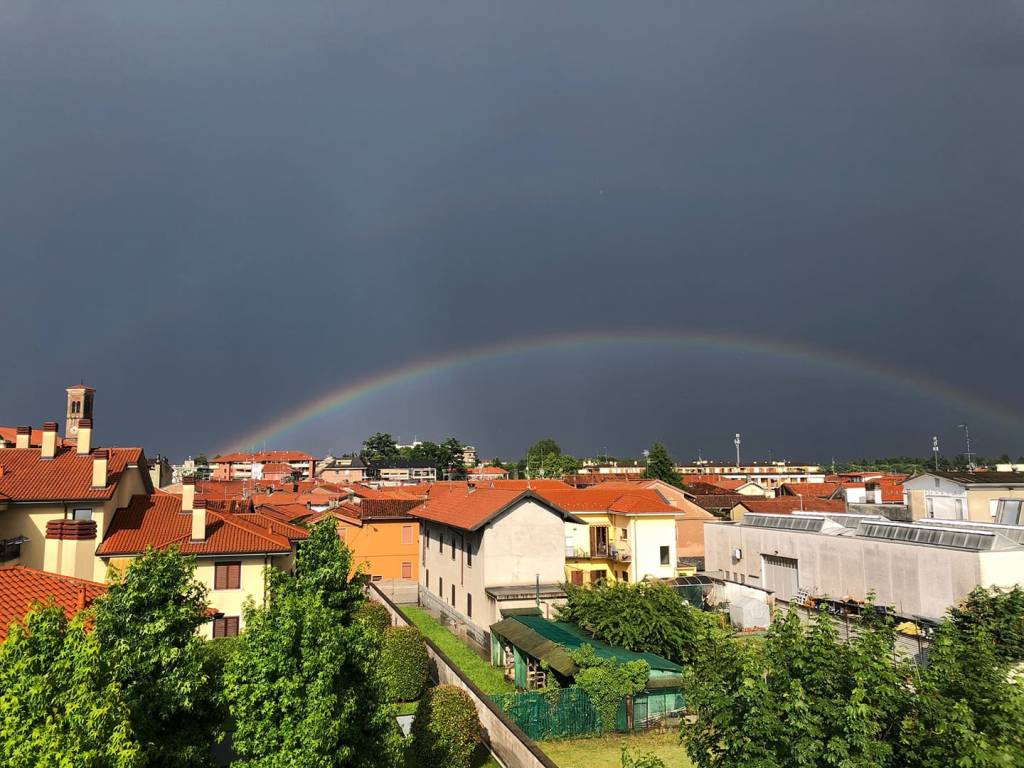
593	541
219	579
218	628
231	626
235	577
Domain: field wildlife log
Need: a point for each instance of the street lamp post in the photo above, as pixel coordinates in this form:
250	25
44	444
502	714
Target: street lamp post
736	442
967	437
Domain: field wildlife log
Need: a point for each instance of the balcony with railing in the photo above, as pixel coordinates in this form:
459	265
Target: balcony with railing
10	549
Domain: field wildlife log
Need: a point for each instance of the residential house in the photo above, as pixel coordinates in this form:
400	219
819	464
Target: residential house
56	502
486	549
486	473
346	469
276	471
769	475
625	535
21	588
983	497
249	466
403	472
232	544
919	569
383	535
160	471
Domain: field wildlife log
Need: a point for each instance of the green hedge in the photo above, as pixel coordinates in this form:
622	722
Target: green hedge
374	615
404	663
446	729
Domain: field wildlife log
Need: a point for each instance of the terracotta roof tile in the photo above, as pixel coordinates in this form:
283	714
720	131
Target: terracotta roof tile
20	587
600	499
469	510
158	521
261	457
784	505
26	476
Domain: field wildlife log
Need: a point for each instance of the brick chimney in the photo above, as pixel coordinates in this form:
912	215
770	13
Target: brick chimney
188	493
99	467
49	440
23	438
84	445
199	520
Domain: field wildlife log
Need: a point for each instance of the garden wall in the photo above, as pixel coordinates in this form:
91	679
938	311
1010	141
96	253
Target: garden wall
503	737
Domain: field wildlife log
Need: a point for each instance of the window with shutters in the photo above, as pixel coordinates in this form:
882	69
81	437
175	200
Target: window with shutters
407	534
227	575
225	626
406	570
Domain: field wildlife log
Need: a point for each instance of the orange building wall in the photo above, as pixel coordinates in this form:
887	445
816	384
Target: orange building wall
378	545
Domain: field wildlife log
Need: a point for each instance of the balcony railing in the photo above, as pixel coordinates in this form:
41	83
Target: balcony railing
622	554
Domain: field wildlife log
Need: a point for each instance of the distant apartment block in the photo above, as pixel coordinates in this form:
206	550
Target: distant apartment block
249	466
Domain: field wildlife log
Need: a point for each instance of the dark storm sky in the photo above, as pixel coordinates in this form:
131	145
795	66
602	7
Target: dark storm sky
215	211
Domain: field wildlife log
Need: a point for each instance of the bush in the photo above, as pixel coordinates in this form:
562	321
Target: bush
374	615
404	663
638	760
445	731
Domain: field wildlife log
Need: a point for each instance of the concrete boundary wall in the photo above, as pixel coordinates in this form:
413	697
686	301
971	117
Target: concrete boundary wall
507	742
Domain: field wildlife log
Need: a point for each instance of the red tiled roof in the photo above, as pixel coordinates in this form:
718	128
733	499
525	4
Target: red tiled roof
784	505
289	512
20	587
277	466
157	521
892	488
486	471
469	510
26	476
262	457
816	490
370	509
599	499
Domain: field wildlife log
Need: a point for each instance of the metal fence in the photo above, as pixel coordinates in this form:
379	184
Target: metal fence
566	713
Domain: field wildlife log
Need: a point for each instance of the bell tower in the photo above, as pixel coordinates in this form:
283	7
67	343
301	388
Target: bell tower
79	407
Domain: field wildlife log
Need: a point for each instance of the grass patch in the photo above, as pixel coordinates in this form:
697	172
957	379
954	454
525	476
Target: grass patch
406	708
487	678
605	751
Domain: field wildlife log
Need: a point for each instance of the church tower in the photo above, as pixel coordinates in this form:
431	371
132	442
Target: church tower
79	407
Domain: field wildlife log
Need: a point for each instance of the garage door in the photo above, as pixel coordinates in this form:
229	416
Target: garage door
781	575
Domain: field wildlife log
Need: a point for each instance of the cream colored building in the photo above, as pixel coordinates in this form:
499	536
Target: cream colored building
487	549
982	497
233	546
56	502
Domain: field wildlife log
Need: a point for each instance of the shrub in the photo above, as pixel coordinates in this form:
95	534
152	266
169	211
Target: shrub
607	682
374	615
404	663
445	731
638	760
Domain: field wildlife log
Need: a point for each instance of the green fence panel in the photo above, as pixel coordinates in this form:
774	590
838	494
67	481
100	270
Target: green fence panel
561	714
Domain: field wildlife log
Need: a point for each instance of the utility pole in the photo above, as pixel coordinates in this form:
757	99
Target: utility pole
736	442
967	437
935	450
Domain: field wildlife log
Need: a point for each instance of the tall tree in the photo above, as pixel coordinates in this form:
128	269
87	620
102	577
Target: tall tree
660	466
545	459
451	461
305	688
146	625
379	447
58	707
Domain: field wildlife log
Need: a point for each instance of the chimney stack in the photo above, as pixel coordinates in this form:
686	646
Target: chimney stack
24	437
99	467
84	445
199	520
188	493
49	440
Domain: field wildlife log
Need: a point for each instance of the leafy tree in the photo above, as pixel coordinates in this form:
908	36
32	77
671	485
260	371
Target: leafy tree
446	729
147	625
545	459
997	612
607	682
140	688
645	617
404	663
379	447
57	706
304	688
660	466
450	459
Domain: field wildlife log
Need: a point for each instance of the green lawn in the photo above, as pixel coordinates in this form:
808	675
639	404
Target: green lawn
605	751
487	678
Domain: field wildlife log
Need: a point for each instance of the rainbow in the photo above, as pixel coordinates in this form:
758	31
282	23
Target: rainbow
353	392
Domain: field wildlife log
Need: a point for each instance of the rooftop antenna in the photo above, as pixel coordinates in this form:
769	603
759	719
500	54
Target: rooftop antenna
935	450
736	441
967	437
